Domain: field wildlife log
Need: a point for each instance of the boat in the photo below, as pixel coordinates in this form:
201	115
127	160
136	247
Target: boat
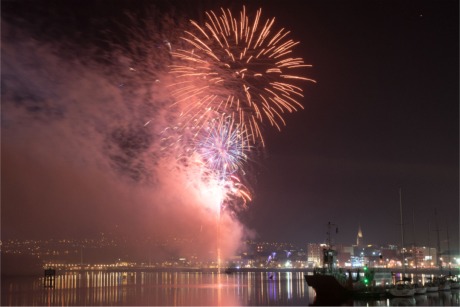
328	282
453	282
419	288
417	285
334	284
341	286
451	279
443	283
431	286
402	289
328	285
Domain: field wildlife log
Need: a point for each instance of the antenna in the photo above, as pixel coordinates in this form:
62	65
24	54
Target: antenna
328	233
328	254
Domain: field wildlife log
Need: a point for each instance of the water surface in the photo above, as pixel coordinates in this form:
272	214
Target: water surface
185	289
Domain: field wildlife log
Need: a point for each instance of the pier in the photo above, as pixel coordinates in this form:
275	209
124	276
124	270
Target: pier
50	278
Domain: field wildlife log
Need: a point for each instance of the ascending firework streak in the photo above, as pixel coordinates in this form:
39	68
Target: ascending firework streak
218	153
232	66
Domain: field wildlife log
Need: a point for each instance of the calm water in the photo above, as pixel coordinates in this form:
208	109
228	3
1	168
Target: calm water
184	289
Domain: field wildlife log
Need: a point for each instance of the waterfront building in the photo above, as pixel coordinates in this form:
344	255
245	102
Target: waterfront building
315	254
426	257
344	254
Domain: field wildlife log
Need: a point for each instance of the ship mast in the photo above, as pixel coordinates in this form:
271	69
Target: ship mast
439	241
328	238
429	242
448	246
402	235
329	253
415	246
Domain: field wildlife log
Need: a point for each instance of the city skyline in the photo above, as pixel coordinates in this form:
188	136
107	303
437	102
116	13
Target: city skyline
382	117
106	253
108	247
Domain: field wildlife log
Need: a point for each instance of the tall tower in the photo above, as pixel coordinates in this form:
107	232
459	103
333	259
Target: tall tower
359	237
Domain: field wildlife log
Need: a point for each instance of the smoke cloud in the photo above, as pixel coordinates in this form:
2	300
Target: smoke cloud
81	148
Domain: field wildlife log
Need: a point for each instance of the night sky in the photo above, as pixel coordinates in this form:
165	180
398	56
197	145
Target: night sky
383	116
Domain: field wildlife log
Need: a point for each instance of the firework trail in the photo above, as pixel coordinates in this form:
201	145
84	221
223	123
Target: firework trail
237	67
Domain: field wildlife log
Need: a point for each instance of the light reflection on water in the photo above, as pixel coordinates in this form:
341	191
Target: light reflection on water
160	289
186	289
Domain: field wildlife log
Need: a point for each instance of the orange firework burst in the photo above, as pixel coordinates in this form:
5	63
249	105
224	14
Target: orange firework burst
234	66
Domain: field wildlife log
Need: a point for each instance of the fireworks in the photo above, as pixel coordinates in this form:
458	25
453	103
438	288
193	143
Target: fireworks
232	76
213	161
224	147
240	68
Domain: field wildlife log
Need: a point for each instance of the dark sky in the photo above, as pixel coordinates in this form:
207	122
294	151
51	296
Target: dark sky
383	115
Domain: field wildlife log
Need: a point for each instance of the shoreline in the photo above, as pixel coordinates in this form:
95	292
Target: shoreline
429	271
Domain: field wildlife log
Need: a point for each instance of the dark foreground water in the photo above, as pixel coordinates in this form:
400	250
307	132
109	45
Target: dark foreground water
184	289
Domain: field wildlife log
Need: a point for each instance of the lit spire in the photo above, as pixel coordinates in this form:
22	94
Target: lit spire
359	237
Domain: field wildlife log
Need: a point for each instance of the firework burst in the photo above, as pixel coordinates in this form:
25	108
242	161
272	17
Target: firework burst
224	147
234	66
213	161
